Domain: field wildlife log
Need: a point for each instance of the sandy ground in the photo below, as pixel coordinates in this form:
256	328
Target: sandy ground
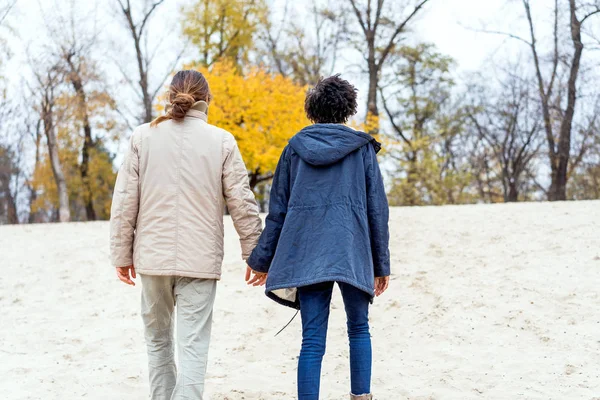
486	302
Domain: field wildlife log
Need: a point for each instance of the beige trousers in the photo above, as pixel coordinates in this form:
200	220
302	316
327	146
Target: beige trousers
194	299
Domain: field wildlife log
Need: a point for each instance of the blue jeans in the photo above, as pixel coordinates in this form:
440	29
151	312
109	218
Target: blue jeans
314	309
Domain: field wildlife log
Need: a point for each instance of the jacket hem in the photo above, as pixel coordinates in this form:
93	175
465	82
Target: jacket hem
173	272
296	304
122	263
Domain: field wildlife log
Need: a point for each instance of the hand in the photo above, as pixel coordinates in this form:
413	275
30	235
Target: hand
381	284
123	274
259	278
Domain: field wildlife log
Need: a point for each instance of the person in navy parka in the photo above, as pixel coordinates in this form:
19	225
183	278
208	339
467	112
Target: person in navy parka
327	223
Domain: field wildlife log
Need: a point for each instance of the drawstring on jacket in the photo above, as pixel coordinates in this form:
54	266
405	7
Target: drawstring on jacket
288	324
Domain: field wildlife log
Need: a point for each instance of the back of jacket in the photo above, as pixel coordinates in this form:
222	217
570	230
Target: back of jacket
167	212
328	216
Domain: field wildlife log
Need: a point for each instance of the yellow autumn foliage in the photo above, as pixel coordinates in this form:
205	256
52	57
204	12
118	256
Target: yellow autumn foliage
223	29
101	174
369	125
102	177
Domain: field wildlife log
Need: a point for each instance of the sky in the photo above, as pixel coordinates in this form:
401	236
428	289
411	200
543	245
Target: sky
452	26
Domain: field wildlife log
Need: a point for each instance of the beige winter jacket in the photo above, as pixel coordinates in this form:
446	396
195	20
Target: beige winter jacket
168	202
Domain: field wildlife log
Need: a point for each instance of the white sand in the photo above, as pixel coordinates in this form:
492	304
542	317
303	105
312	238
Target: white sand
486	302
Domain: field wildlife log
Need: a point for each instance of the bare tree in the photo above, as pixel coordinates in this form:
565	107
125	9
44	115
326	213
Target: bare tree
485	179
72	38
382	26
47	82
75	63
584	169
72	48
13	166
8	168
587	139
508	124
558	190
307	50
144	57
558	141
10	147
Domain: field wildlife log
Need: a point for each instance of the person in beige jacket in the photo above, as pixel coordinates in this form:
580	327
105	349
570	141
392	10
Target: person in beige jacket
167	225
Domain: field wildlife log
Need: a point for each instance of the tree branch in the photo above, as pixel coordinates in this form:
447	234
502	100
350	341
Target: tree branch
378	15
555	58
359	17
597	11
169	71
147	16
543	94
7	11
399	29
397	128
507	34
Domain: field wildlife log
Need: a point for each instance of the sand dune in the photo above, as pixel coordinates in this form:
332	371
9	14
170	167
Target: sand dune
486	302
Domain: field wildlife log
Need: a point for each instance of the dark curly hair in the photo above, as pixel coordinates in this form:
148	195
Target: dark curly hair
331	101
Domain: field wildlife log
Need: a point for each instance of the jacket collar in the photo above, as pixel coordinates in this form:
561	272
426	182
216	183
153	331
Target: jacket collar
199	110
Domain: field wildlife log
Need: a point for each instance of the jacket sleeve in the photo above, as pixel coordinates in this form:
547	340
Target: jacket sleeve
124	209
240	198
263	254
378	214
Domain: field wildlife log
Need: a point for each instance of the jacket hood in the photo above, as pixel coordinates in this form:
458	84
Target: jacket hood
325	144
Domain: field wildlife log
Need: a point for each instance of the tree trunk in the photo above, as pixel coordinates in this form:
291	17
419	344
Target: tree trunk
137	32
146	98
369	21
513	193
88	143
256	177
147	101
33	215
373	69
6	196
64	214
372	108
559	178
262	204
11	214
84	168
545	96
253	178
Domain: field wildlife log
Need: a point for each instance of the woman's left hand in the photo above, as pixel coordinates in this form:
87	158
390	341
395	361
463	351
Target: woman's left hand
123	274
255	278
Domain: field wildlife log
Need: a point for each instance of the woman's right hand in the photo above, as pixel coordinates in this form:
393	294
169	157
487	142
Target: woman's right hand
123	274
259	278
381	284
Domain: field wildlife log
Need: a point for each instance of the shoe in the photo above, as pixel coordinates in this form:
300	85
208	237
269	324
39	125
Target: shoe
361	397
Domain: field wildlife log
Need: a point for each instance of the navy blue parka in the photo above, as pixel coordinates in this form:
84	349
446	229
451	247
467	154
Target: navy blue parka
328	214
